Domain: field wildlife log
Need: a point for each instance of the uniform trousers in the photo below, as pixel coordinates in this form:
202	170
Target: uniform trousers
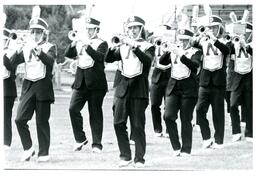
242	95
95	100
27	106
157	93
174	103
8	105
135	109
213	96
131	127
227	98
235	109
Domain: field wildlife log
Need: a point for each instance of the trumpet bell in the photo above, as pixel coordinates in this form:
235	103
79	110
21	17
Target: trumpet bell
72	35
158	42
115	40
13	36
236	39
227	37
201	29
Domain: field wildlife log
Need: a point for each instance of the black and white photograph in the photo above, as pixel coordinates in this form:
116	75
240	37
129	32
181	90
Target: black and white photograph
127	86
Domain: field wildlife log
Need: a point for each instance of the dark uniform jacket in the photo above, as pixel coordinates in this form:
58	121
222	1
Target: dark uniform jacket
10	89
160	76
230	65
218	77
188	86
43	87
138	87
93	78
117	78
237	78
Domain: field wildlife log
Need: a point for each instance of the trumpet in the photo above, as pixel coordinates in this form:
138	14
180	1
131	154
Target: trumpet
12	36
168	46
236	39
117	39
227	37
201	30
72	35
76	36
158	42
27	42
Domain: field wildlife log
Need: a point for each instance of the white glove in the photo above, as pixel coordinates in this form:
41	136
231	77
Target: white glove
10	53
74	42
130	42
210	34
242	42
37	51
178	51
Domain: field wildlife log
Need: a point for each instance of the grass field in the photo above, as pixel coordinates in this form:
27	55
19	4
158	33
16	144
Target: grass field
234	156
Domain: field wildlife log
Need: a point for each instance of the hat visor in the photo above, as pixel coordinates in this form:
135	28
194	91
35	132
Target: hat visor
36	26
134	24
214	24
180	37
92	26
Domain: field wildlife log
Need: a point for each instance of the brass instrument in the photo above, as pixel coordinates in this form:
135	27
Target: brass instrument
79	36
227	37
168	46
72	35
12	36
202	33
201	30
29	43
236	39
118	39
158	42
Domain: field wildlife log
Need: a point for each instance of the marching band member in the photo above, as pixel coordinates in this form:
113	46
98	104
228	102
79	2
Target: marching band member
159	80
37	93
117	79
10	90
90	84
212	83
182	91
241	86
131	92
230	69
